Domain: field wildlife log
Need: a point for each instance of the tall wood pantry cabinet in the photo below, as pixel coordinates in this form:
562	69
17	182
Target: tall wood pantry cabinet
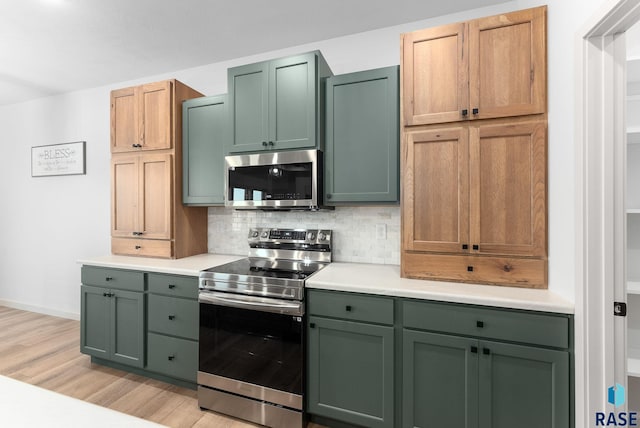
147	215
474	151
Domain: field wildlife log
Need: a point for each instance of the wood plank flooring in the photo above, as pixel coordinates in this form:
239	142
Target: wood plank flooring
45	351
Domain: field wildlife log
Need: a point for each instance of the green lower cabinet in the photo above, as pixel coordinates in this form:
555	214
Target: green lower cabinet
350	372
439	380
451	381
172	356
523	386
112	325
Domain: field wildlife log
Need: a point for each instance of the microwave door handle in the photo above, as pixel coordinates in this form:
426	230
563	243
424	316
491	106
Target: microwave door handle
249	302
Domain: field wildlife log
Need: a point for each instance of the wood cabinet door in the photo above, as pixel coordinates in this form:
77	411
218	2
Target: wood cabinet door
248	107
127	327
155	186
124	120
507	64
436	188
362	139
203	143
124	196
523	386
439	380
508	207
435	75
155	115
292	102
350	372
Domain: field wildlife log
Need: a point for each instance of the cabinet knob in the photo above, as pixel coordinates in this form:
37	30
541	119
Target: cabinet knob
171	357
480	324
469	268
476	247
172	317
486	351
348	308
507	268
312	325
474	349
475	111
109	278
465	246
465	112
138	247
264	143
271	143
172	286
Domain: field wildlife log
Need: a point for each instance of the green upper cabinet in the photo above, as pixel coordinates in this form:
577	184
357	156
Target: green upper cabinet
278	104
204	127
362	137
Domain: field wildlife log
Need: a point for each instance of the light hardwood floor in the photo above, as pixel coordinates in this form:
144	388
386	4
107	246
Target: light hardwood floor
45	351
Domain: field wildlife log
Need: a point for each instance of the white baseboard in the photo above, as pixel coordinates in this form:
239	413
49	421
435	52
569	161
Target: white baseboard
40	309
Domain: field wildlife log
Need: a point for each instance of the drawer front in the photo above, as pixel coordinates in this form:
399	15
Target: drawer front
173	285
172	356
170	315
349	306
525	327
142	247
112	278
513	271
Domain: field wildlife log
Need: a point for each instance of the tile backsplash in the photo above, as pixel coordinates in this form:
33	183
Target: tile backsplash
360	234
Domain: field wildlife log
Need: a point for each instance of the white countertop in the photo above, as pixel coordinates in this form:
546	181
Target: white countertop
25	405
386	280
190	266
364	278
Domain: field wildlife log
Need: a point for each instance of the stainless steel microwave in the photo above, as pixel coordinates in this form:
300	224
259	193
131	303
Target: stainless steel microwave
274	180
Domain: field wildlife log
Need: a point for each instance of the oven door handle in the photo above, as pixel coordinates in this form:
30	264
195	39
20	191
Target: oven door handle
250	302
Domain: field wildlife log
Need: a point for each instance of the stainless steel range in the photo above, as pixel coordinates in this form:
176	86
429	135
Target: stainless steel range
252	321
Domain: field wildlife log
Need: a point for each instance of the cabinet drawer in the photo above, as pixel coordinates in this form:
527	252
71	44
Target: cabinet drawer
172	356
142	247
170	315
112	278
349	306
173	285
514	271
525	327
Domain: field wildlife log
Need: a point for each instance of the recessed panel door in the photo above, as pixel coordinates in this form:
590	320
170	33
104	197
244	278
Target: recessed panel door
435	195
435	82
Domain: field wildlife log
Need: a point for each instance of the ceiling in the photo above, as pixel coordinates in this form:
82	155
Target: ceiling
54	46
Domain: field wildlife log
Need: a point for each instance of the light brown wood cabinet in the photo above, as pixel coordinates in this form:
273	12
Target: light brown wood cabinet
474	192
147	215
485	68
141	117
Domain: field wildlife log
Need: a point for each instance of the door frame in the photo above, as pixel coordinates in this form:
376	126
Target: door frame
600	339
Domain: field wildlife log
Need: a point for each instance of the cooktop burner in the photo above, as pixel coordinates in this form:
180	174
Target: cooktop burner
279	262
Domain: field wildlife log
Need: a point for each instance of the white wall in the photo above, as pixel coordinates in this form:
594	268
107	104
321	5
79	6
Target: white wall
48	223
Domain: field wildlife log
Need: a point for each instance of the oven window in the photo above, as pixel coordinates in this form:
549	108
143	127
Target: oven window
292	181
252	346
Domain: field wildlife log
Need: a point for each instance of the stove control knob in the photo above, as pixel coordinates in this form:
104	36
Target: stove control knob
311	236
265	234
254	234
322	236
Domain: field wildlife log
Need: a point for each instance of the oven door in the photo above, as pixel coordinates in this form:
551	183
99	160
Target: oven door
252	346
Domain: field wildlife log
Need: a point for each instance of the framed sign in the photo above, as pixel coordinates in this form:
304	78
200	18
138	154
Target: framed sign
58	159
